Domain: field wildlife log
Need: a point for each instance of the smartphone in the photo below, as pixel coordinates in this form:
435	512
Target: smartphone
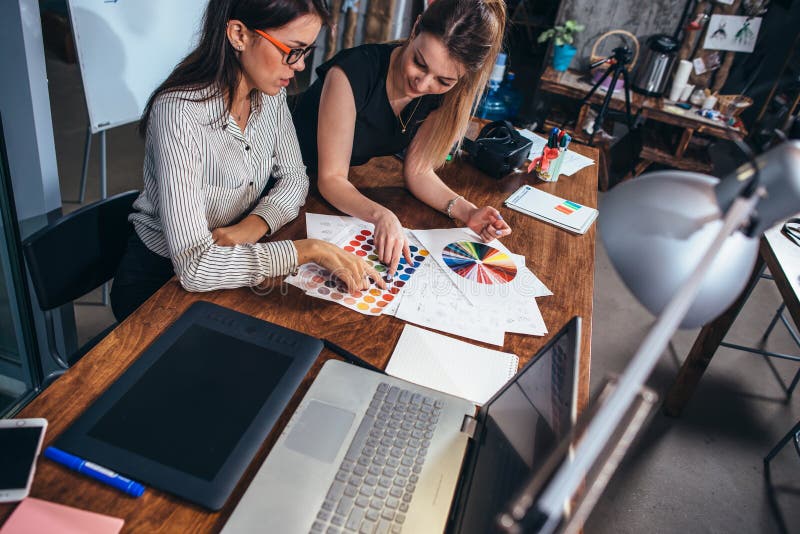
20	444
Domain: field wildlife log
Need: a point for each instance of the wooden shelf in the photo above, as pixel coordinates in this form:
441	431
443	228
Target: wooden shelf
689	162
668	131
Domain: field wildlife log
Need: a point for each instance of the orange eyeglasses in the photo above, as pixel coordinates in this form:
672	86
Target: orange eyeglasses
293	55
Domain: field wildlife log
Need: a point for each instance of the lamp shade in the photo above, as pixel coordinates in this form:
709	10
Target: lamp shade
657	227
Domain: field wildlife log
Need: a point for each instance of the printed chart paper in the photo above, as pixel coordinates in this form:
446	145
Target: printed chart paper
432	300
483	272
555	210
424	292
357	239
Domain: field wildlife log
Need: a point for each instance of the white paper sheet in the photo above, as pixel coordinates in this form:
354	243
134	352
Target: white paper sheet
445	364
485	273
432	300
573	162
538	145
537	287
327	227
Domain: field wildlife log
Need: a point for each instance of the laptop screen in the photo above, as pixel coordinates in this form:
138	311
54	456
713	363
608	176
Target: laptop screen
518	428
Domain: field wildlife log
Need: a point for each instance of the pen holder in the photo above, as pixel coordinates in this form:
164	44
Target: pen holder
547	167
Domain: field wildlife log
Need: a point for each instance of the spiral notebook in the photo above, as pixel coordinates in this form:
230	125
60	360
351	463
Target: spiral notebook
449	365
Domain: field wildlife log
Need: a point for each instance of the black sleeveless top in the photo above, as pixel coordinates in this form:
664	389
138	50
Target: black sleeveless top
377	130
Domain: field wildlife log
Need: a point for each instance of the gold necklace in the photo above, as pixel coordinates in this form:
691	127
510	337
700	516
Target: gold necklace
399	118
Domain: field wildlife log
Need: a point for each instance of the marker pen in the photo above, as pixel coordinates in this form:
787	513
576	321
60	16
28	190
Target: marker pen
107	476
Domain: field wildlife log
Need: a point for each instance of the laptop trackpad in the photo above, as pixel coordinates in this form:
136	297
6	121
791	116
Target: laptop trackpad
320	431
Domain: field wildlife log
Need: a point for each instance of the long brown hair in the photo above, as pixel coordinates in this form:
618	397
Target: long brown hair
472	33
214	63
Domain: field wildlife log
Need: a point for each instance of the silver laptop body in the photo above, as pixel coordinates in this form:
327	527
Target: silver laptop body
313	480
289	490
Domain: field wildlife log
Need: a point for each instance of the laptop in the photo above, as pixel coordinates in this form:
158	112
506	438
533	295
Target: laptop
369	453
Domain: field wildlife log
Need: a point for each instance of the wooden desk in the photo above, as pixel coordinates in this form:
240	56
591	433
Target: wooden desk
783	259
671	148
563	261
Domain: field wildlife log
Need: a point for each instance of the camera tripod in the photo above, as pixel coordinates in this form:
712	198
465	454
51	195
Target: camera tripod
618	60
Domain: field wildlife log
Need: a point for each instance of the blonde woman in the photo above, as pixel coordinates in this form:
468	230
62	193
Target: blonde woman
378	99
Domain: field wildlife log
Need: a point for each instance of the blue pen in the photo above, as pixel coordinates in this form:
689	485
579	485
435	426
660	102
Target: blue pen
107	476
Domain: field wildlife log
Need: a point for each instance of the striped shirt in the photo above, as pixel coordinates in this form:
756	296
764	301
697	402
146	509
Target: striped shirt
201	174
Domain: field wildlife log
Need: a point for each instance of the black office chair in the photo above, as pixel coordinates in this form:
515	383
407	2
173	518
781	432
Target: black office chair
76	254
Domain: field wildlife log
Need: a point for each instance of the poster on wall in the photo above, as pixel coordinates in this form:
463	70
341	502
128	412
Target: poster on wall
732	33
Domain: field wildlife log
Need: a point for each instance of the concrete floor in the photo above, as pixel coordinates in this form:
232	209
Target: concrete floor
700	473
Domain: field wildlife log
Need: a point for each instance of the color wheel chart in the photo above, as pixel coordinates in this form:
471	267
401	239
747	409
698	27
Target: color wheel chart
319	282
479	262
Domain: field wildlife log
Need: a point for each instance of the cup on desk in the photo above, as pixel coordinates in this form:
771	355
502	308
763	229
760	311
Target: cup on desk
676	91
709	102
553	168
698	97
686	92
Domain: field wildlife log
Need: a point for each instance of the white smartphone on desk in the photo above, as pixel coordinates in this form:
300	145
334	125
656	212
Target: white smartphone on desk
20	444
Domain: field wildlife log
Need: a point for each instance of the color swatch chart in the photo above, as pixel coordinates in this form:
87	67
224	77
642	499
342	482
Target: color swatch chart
321	283
479	262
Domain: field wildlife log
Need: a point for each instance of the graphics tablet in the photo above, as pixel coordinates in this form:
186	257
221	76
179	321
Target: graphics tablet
190	413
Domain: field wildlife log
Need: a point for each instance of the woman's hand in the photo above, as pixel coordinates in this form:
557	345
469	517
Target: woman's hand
488	223
391	241
247	231
349	268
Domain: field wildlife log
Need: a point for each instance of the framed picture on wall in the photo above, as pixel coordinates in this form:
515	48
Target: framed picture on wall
732	33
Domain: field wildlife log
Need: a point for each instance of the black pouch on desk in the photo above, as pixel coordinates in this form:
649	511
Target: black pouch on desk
498	149
190	413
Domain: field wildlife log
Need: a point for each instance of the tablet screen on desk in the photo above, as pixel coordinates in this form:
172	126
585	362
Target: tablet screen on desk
192	405
190	413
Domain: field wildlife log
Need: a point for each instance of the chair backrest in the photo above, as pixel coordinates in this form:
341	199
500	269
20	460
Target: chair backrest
80	251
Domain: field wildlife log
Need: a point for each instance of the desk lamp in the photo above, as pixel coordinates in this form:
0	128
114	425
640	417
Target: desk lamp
684	243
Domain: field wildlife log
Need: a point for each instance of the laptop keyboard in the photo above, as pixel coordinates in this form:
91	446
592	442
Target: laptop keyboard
375	483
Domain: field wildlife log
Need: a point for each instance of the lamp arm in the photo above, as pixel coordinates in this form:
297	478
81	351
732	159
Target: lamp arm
778	172
571	474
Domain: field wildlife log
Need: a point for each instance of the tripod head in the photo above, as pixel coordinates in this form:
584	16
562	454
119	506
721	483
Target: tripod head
621	56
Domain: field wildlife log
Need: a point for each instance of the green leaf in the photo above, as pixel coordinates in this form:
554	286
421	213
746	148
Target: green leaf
545	35
561	34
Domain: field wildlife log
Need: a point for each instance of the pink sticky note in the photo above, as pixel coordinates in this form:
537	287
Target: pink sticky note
34	516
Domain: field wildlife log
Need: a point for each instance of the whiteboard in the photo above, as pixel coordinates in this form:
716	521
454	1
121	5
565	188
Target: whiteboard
126	48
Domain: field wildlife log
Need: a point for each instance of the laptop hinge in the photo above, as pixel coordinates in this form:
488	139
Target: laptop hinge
468	425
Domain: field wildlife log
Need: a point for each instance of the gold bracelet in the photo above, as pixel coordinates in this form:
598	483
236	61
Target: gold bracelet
449	209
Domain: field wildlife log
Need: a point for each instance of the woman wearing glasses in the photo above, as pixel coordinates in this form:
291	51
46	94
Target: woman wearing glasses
215	131
377	100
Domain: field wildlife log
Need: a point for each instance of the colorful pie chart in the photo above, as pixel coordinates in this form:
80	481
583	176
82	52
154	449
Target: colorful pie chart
479	262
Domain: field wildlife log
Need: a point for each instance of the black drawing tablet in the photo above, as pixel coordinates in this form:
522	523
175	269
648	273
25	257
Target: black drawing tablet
190	413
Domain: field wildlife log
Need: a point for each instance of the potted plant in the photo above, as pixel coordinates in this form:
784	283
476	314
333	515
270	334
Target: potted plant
563	37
